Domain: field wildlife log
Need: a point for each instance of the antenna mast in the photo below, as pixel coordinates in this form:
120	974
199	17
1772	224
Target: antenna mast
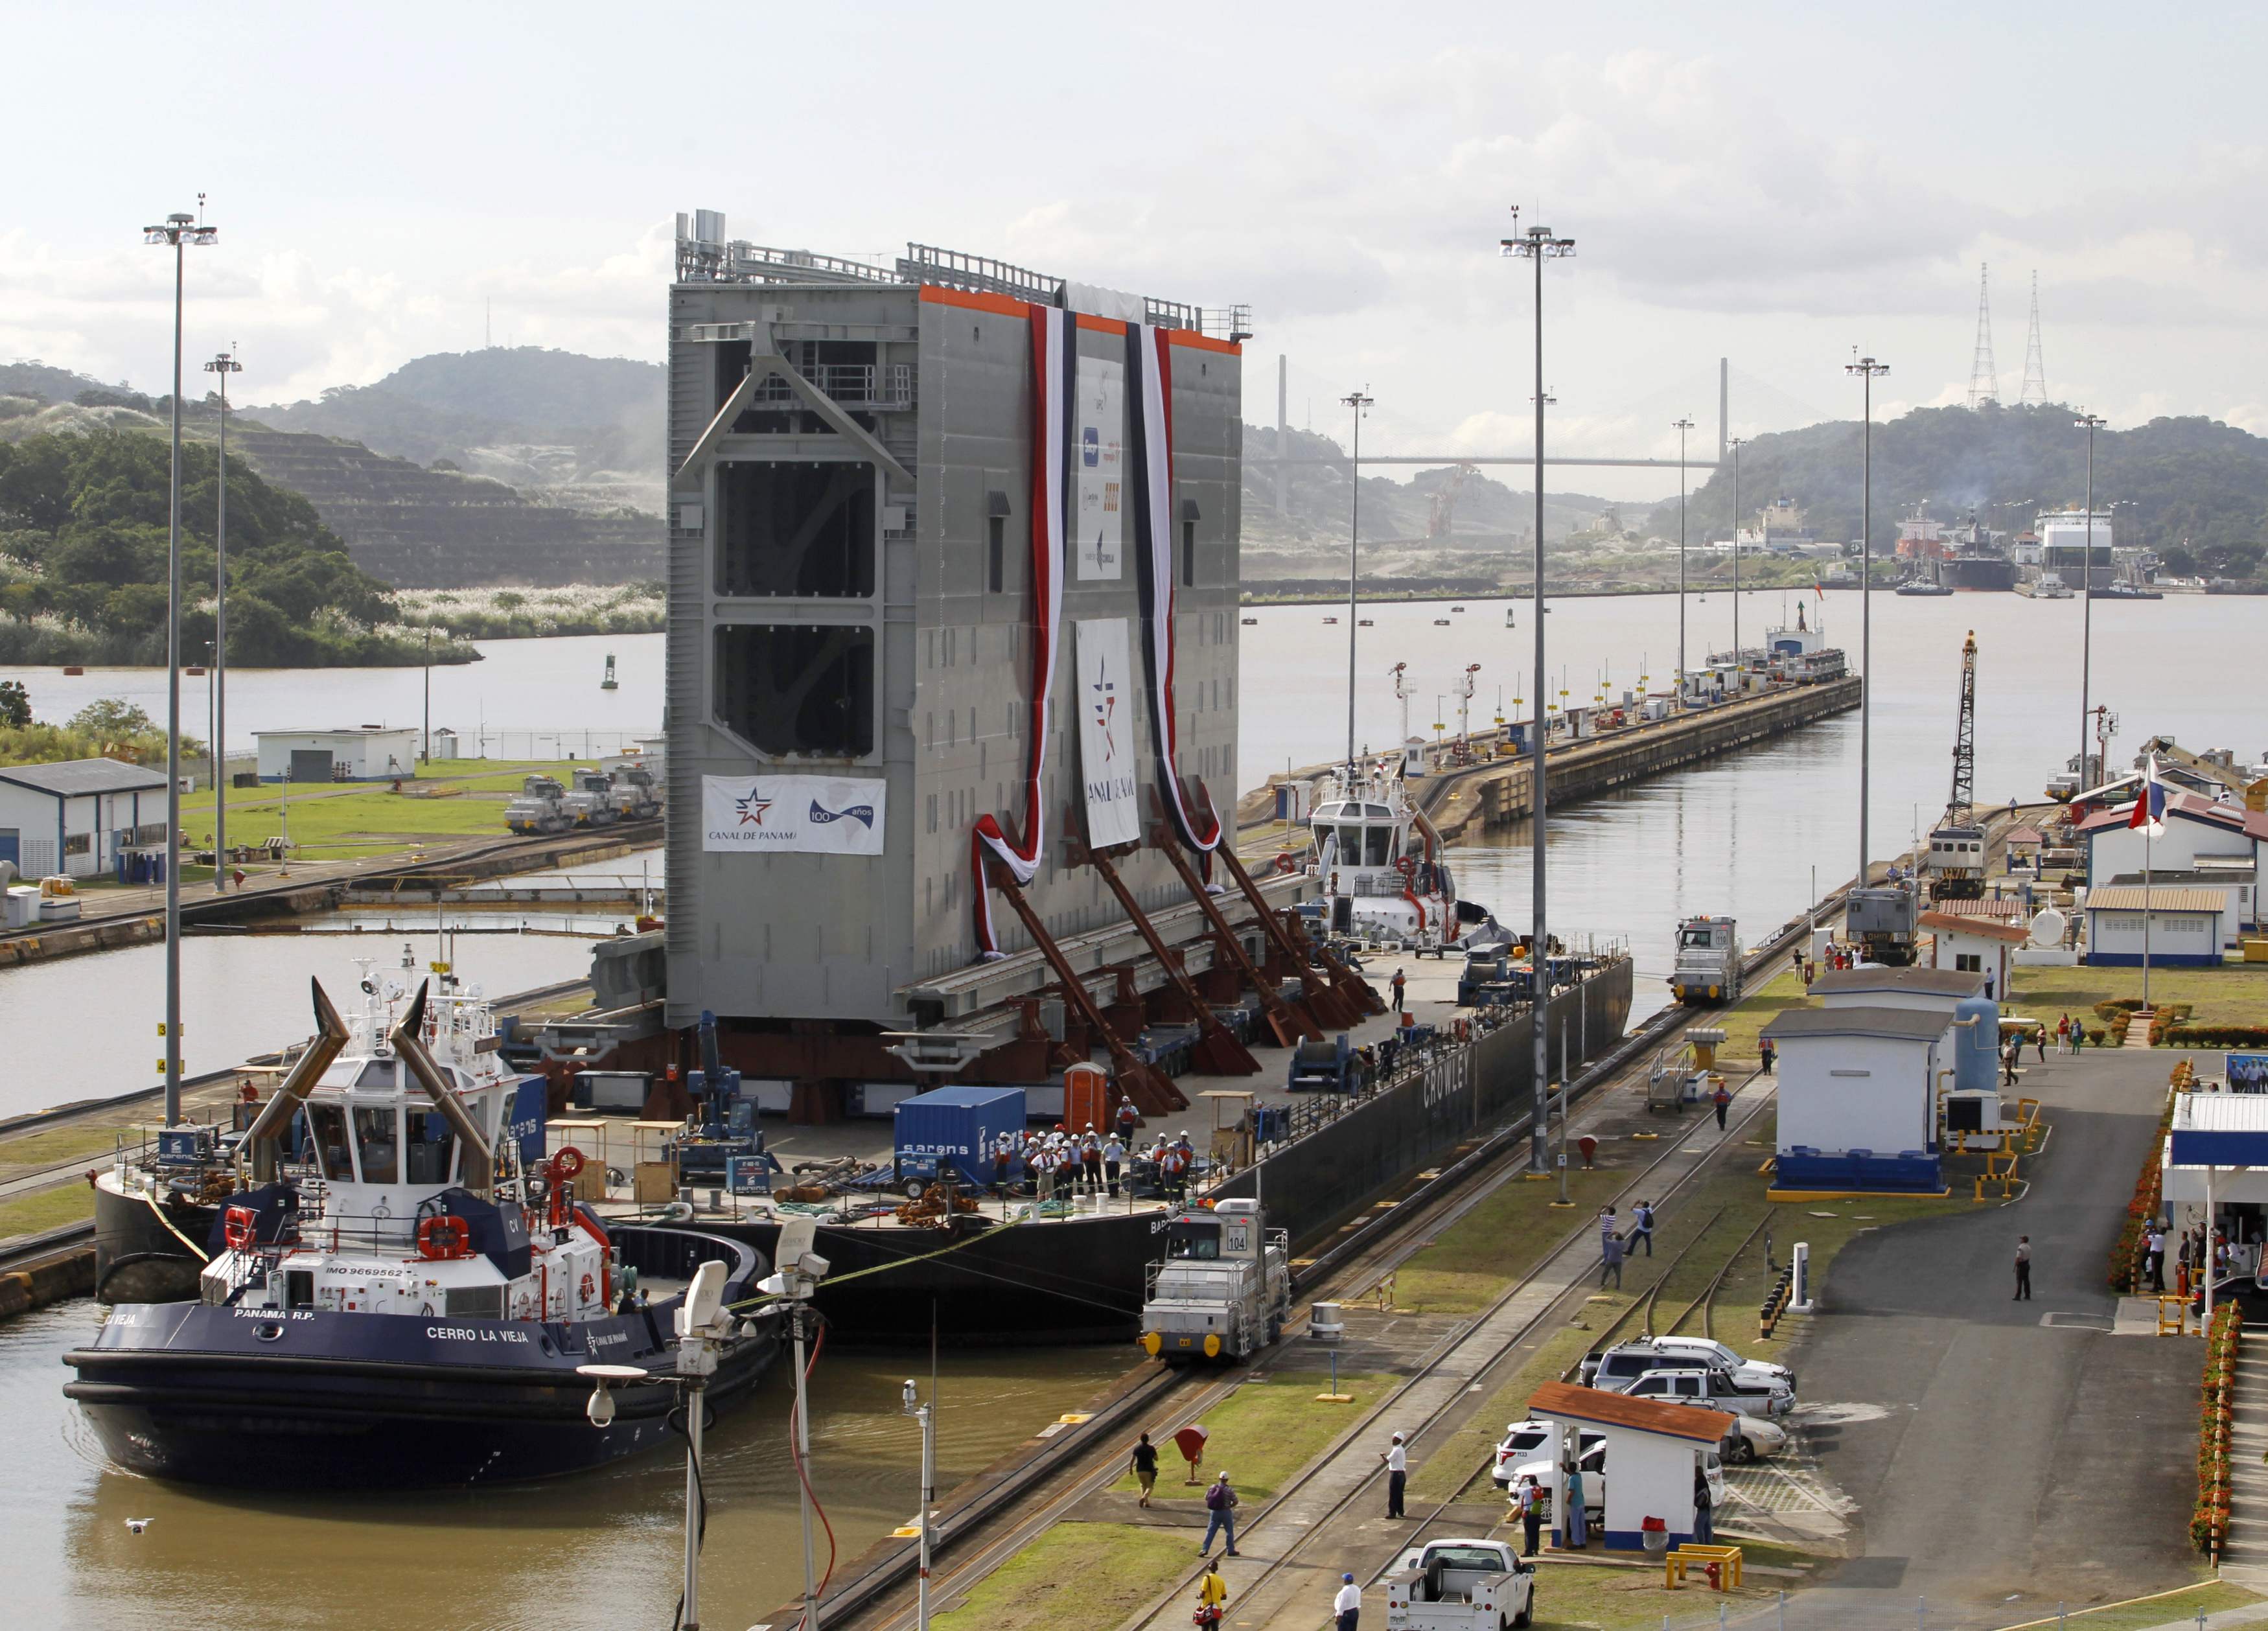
2036	371
1984	379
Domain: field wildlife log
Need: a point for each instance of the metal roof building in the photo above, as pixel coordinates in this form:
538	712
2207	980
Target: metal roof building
73	816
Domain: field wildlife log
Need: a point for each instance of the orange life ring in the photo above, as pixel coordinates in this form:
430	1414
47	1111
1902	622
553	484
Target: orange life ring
568	1163
440	1239
237	1226
1284	864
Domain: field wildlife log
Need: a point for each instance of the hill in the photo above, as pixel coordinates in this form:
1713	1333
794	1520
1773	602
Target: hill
581	430
2198	488
84	552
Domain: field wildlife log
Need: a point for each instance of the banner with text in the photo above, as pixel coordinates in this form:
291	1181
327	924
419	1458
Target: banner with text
1108	756
1100	461
826	815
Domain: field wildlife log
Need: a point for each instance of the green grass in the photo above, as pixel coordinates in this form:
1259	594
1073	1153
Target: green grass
2211	1595
1743	1022
1470	1264
1606	1598
1262	1434
1458	1468
2235	993
1076	1577
49	1208
63	1143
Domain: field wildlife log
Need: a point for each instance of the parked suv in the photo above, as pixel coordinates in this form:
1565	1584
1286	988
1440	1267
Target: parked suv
1623	1364
1709	1389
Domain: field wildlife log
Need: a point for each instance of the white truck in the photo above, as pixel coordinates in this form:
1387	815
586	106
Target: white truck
1708	968
1224	1288
1459	1585
632	790
541	807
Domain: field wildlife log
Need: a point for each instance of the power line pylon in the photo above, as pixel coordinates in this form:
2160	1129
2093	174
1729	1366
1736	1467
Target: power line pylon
2036	371
1984	379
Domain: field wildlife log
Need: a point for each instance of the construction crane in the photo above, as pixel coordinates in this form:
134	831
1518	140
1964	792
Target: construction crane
1443	508
1957	846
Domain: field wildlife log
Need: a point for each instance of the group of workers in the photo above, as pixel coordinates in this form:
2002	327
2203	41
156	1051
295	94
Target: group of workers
1062	1163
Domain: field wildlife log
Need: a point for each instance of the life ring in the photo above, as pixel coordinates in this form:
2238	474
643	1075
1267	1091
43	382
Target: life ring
1285	864
588	1287
1407	867
568	1163
442	1239
237	1226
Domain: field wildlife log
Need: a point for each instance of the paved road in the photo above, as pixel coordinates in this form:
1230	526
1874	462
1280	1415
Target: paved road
2020	1463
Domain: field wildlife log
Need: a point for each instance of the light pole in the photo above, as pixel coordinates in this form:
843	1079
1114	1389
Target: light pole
1361	401
2090	423
1736	442
921	1414
1682	427
1868	371
1537	243
223	366
178	231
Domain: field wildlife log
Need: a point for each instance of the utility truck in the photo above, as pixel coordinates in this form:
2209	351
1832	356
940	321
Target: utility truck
1459	1585
1708	968
1224	1288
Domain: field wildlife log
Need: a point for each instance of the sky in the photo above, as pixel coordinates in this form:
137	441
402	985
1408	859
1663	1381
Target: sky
1774	184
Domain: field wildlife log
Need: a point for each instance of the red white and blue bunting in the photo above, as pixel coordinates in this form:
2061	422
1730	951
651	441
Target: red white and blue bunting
1054	362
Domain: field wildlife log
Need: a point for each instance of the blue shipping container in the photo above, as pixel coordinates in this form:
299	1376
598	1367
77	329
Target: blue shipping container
957	1126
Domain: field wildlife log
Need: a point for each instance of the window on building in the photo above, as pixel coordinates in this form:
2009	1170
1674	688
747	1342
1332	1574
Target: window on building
326	1133
995	555
794	690
78	843
797	527
431	1144
1969	962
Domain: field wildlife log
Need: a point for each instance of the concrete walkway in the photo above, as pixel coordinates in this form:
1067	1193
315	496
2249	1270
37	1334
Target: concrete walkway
2244	1561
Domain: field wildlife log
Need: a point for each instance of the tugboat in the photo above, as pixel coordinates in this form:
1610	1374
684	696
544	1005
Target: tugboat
399	1292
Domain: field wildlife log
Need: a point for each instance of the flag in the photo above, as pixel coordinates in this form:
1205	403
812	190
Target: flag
2150	802
1819	589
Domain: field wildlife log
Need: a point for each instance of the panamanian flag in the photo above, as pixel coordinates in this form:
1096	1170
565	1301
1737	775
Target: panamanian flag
2150	805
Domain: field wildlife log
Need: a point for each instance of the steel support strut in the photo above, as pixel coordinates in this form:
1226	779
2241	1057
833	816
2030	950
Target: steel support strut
1153	1091
1217	1052
1291	1022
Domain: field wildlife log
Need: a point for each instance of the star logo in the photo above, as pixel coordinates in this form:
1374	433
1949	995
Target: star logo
752	808
1105	704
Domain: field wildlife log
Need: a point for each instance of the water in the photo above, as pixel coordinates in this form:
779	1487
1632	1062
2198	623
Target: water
595	1552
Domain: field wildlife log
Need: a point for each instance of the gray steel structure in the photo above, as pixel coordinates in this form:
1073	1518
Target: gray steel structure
850	594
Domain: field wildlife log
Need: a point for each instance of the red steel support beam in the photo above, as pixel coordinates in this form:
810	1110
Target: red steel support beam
1218	1052
1290	1023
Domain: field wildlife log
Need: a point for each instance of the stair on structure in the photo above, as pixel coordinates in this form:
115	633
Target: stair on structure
2245	1560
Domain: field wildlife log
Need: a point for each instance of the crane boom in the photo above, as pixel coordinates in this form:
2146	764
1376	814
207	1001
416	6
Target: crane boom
1959	808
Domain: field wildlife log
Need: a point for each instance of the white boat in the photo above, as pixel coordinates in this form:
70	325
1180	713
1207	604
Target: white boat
2051	586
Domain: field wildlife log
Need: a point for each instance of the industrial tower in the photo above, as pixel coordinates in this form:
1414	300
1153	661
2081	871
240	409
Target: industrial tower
1956	847
1959	808
2035	372
1984	379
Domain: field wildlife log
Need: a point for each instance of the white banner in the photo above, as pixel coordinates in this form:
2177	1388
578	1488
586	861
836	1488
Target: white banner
1100	426
828	815
1107	752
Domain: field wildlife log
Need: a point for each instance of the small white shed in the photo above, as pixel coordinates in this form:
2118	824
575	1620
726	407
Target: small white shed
353	754
1975	945
1650	1462
1857	1096
73	816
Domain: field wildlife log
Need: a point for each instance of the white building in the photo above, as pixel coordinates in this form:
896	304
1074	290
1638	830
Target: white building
1858	1096
2185	926
1975	943
2219	840
1651	1454
358	754
74	817
1924	990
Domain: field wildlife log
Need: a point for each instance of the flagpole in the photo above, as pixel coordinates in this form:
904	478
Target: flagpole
2149	786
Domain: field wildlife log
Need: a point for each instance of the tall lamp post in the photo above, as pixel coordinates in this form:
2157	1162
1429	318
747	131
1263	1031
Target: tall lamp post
1361	401
2090	423
1682	427
1868	371
176	232
926	1416
1736	442
1538	244
223	366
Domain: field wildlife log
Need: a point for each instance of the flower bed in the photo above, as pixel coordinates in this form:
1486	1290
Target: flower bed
2127	1256
2216	1036
2216	1416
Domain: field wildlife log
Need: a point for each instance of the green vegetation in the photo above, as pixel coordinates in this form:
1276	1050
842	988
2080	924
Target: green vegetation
638	608
44	1209
1075	1577
2235	993
1262	1434
333	821
1469	1265
2165	1608
84	562
108	728
1458	1467
2200	488
63	1143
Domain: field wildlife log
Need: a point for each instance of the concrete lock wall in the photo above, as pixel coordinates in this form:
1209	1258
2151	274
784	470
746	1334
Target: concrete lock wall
1312	1186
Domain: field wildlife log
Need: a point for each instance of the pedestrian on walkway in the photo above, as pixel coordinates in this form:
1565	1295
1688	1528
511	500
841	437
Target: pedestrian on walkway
2063	1034
1212	1595
2024	1269
1767	1053
1641	1229
1723	1099
1143	1466
1398	982
1220	1507
1575	1525
1705	1517
2040	1040
1810	974
1606	1222
1114	1157
1610	1261
1397	1476
1531	1513
1347	1605
2156	1267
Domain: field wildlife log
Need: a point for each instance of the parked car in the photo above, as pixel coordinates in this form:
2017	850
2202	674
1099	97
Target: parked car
1594	1463
1619	1366
1752	1436
1523	1441
1709	1389
1749	1372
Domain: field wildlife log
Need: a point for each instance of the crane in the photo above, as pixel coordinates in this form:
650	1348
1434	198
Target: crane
1956	847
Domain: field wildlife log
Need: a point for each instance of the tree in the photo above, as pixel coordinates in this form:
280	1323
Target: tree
112	719
15	705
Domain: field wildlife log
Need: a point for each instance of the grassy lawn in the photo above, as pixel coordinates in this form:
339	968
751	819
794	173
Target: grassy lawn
1468	1264
1458	1468
1757	1010
1606	1598
2234	994
1076	1577
63	1143
2212	1595
49	1209
1261	1433
340	820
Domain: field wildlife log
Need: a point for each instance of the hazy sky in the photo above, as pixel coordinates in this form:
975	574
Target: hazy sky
1771	182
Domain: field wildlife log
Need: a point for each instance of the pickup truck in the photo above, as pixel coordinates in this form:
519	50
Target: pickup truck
1709	1389
1459	1585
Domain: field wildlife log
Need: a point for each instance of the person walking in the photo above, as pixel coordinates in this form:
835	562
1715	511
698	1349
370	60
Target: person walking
1347	1605
2008	1057
1531	1514
1397	1476
1722	1098
2040	1040
1220	1509
2156	1265
1641	1229
1610	1261
2024	1269
1767	1053
1398	982
1143	1465
1576	1525
2063	1034
1212	1595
